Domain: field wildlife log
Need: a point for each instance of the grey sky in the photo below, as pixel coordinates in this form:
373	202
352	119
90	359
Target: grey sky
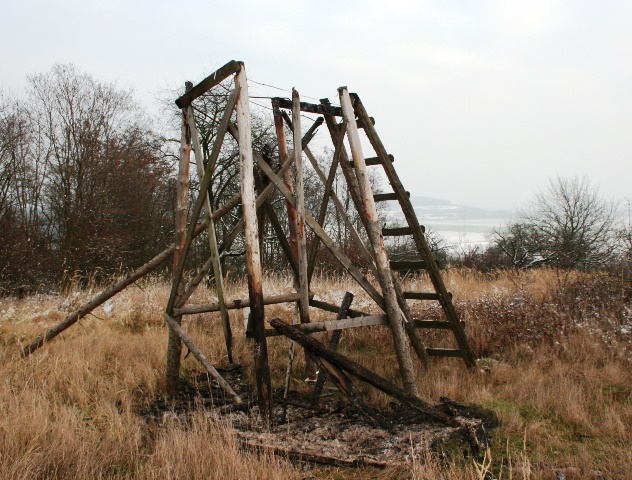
480	102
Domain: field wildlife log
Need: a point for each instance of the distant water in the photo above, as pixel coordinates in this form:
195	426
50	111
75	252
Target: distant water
460	226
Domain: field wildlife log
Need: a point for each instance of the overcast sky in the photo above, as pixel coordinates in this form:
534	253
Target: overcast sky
480	102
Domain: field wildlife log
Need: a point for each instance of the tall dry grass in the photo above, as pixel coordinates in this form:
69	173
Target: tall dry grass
555	368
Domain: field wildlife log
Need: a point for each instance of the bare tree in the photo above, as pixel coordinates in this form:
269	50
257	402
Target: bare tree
568	224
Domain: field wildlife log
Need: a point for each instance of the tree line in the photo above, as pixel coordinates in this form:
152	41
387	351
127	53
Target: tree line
87	189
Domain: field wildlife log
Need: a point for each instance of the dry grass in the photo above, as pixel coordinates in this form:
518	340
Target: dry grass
557	352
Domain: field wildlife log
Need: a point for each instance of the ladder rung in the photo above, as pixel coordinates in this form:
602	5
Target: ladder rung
371	161
408	265
397	232
443	352
433	324
383	197
421	296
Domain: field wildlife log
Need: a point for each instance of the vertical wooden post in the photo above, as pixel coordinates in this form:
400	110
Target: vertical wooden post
253	261
174	345
212	238
288	180
374	230
303	286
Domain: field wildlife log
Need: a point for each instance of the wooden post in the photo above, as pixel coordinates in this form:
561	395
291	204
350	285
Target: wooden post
374	230
212	239
253	261
174	346
303	286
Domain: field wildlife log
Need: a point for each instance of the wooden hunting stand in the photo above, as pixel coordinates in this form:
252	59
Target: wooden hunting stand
344	121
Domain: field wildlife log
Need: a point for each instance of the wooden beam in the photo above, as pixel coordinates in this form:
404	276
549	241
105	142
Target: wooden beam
209	82
372	161
328	307
385	197
308	107
362	373
397	232
416	265
343	313
421	296
237	304
253	262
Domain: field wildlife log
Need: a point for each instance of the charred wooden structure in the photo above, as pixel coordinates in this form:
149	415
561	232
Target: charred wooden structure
349	121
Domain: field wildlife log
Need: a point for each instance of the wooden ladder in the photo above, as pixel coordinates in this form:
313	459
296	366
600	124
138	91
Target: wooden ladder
426	260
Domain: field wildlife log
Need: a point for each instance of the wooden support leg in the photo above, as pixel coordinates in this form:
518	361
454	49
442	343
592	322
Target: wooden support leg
174	346
197	353
253	263
374	230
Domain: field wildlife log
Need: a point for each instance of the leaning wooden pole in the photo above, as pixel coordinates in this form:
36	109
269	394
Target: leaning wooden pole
174	345
253	261
98	300
374	230
197	353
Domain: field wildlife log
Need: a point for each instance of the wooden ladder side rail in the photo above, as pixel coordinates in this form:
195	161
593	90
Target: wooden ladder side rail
418	236
374	230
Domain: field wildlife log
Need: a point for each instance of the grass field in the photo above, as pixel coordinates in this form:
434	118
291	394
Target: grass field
556	358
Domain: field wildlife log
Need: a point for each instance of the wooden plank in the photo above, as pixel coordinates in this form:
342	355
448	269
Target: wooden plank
237	304
372	161
308	107
328	307
362	373
197	353
418	236
444	352
385	197
374	230
422	296
397	232
209	82
433	324
408	265
253	261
